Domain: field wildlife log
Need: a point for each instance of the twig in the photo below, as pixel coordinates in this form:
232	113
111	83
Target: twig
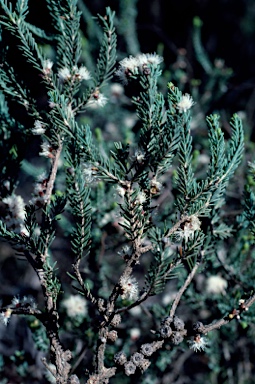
53	174
182	289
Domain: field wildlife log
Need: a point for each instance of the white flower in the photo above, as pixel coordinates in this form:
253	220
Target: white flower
121	74
190	226
130	63
127	66
16	301
141	197
29	300
64	74
136	311
199	343
46	149
185	103
89	172
52	104
38	128
47	66
129	288
120	191
101	100
216	285
155	186
7	184
168	298
97	100
23	230
135	333
139	155
130	121
5	316
75	305
149	58
125	251
83	73
117	89
16	206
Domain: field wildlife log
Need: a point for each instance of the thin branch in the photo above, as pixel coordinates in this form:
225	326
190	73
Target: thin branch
182	289
235	314
53	174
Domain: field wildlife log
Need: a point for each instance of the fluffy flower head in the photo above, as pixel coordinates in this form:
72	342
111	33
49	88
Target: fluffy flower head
185	103
47	66
132	65
141	197
97	100
129	63
129	288
38	128
216	285
149	58
64	74
190	226
46	149
198	344
16	207
83	73
75	305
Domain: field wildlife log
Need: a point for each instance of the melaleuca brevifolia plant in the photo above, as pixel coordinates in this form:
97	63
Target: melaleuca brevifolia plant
137	263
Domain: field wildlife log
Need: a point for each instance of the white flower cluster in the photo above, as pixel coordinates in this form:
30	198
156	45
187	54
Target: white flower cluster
139	156
75	305
16	302
79	74
39	128
46	150
129	288
47	67
40	188
132	65
190	226
120	191
97	99
24	301
216	285
15	216
141	198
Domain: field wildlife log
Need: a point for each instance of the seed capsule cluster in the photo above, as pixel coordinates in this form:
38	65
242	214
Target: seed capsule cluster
173	328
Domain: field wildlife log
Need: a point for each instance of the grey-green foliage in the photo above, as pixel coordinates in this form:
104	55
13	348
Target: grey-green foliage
159	161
